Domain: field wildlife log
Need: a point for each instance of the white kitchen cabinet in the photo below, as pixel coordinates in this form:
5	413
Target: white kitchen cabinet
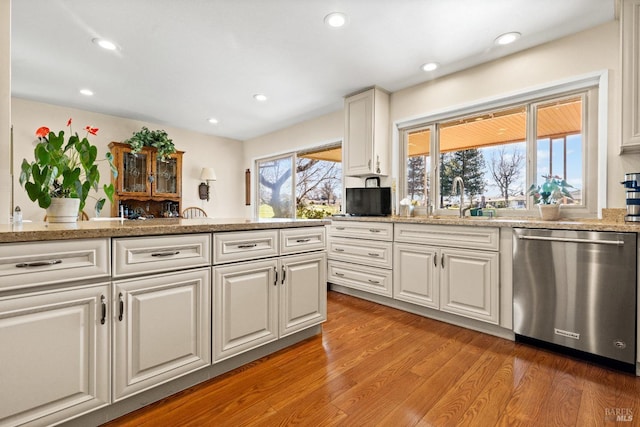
303	292
54	354
630	74
257	302
469	284
366	137
162	329
361	256
456	272
28	265
245	307
416	274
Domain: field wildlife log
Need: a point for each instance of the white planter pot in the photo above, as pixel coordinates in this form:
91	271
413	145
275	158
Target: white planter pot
549	212
63	210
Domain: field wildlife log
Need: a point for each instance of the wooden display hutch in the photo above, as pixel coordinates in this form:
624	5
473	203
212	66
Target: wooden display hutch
146	185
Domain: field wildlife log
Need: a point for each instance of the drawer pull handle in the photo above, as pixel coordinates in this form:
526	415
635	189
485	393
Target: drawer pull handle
340	228
275	282
284	275
375	282
338	249
103	316
339	274
120	306
442	261
39	263
303	240
168	253
252	245
373	254
374	230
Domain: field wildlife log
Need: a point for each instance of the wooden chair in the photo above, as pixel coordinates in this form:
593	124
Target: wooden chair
194	212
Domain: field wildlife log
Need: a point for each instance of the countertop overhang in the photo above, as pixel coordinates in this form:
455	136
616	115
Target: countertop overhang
40	231
562	224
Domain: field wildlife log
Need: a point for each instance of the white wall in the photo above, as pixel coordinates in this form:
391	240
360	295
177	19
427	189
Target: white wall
5	110
224	155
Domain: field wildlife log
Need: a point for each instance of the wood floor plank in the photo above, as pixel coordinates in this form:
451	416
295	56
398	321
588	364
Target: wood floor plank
377	366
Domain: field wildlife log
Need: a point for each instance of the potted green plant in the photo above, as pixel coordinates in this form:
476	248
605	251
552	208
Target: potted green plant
64	172
548	196
159	139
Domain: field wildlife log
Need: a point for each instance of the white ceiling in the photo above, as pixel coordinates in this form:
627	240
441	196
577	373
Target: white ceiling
183	61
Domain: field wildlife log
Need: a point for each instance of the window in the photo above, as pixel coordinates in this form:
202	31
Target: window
500	152
313	191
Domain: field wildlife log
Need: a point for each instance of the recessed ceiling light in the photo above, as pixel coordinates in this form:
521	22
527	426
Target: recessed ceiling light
336	19
430	66
105	44
213	121
86	92
260	97
507	38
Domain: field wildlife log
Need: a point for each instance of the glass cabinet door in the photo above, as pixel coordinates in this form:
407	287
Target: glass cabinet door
166	177
135	176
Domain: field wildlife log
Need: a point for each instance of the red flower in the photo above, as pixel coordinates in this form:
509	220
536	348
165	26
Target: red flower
42	132
69	122
92	131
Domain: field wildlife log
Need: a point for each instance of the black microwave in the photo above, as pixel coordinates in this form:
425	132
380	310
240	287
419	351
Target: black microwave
368	201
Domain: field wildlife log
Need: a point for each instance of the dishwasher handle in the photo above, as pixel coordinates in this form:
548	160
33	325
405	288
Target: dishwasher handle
570	240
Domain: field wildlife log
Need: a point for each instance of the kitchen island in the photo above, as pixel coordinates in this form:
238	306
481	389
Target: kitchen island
99	318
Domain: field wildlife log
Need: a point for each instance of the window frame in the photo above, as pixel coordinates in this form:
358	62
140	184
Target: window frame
595	131
293	154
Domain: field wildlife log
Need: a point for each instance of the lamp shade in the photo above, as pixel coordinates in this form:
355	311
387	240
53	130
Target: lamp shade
208	174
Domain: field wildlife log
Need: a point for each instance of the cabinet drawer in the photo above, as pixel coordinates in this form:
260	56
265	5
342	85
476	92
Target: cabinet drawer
244	245
295	240
368	252
363	230
143	255
31	264
368	279
454	236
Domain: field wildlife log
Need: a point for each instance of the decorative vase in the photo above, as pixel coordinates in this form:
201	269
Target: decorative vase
63	210
549	212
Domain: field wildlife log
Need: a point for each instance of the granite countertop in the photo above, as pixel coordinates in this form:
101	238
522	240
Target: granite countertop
613	220
39	231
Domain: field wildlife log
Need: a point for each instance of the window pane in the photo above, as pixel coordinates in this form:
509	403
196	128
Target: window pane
275	190
418	165
559	143
319	183
488	152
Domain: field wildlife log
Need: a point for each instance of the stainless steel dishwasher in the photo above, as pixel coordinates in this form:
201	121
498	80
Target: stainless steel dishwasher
576	291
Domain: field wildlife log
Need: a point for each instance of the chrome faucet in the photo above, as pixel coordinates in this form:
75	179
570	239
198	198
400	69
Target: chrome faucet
458	183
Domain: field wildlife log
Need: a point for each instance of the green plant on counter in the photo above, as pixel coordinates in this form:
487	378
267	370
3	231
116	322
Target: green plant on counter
551	191
64	170
159	139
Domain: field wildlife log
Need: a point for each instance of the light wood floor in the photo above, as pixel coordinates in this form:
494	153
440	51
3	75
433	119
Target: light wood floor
376	366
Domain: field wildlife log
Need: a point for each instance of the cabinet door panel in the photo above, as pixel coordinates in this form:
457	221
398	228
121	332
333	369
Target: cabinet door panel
246	304
416	274
303	292
470	284
54	355
359	134
165	329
